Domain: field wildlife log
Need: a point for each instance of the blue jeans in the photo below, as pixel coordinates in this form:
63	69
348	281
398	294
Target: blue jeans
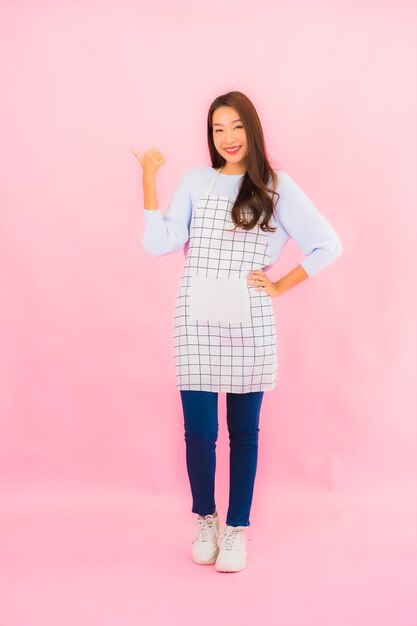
201	428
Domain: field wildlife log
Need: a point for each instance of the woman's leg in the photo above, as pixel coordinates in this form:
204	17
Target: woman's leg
201	429
243	410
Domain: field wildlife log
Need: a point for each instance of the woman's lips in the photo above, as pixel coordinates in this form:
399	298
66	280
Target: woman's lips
233	151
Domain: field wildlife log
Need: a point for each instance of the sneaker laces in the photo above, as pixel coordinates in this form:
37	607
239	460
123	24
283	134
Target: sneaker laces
206	526
230	535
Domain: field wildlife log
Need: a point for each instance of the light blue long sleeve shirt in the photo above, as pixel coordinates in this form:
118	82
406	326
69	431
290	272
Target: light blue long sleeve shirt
296	218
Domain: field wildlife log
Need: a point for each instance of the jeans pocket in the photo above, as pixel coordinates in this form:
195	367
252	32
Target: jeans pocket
225	300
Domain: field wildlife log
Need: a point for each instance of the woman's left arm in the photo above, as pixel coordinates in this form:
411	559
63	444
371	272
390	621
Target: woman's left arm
309	229
311	232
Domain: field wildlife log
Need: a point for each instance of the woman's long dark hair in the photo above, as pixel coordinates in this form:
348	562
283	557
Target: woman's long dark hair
253	191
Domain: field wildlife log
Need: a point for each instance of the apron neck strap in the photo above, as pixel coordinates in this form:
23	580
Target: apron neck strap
213	180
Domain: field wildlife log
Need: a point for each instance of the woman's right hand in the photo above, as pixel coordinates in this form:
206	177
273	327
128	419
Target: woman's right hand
151	161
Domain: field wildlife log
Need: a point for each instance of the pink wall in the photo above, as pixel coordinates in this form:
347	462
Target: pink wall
86	313
87	381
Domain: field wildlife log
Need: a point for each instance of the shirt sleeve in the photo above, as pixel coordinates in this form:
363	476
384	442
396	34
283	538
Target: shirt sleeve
309	229
165	233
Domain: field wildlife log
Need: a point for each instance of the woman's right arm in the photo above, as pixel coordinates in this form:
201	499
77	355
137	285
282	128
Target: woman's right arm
164	233
169	232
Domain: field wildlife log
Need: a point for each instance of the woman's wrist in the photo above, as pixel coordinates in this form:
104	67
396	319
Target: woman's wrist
276	289
290	280
150	198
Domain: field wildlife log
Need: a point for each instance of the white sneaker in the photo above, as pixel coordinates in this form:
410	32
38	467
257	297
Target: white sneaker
232	552
205	543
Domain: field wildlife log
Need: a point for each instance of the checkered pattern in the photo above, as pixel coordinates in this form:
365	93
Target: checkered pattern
218	356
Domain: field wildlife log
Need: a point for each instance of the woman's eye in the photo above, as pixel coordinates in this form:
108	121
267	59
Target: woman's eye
219	130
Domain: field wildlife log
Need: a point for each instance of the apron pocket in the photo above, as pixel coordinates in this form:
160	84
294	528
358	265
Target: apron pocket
224	300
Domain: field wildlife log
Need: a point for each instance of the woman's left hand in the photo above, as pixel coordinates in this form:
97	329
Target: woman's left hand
262	282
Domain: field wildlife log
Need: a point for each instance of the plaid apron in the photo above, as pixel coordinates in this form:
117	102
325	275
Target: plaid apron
224	330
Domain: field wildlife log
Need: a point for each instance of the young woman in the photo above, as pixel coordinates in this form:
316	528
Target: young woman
232	219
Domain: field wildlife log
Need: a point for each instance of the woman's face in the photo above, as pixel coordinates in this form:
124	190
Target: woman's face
228	132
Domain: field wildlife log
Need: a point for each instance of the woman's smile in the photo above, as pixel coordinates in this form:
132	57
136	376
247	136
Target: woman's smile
233	150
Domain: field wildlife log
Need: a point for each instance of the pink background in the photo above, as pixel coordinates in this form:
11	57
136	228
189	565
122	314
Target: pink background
95	505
